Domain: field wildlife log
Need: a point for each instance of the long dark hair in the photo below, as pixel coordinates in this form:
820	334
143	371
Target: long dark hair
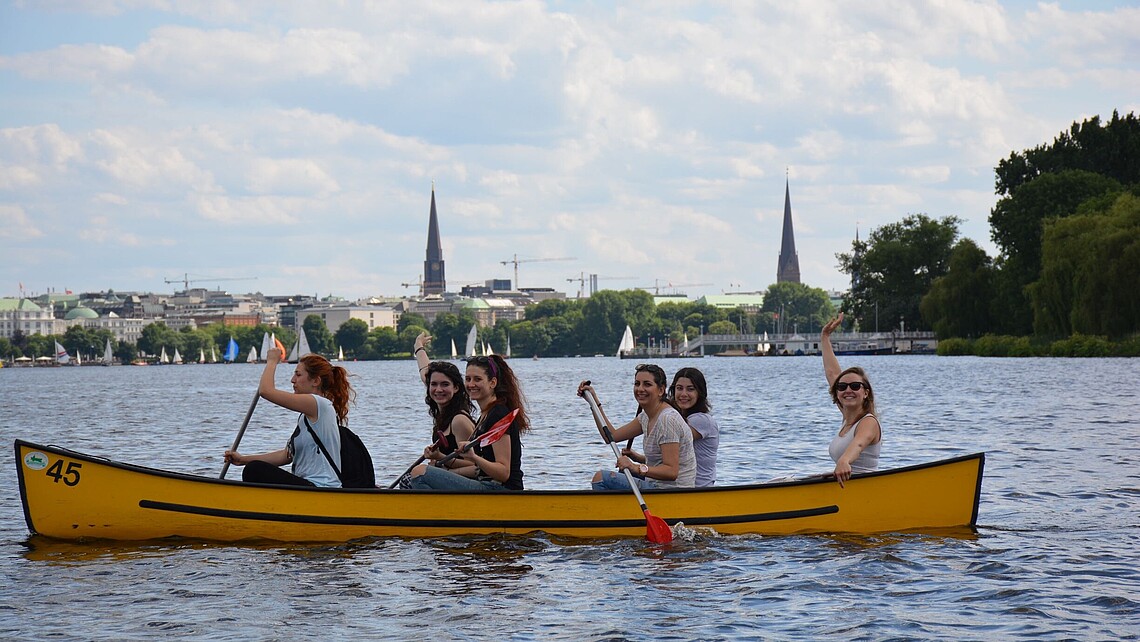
698	379
460	401
334	383
506	386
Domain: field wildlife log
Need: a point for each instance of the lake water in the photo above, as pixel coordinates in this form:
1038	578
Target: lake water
1055	555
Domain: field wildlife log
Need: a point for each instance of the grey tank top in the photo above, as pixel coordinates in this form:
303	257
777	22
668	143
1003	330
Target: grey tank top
868	460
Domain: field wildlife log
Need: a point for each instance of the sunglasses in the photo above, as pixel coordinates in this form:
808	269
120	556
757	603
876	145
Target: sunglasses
650	367
854	385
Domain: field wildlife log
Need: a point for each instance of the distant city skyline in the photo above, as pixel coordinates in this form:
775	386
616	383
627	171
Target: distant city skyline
298	144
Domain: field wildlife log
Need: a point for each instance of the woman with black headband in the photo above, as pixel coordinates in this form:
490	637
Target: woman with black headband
856	448
491	383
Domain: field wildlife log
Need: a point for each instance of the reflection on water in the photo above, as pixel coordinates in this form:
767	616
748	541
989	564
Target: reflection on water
1053	556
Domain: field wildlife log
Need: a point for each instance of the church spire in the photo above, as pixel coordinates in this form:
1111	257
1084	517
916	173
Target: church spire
434	281
788	268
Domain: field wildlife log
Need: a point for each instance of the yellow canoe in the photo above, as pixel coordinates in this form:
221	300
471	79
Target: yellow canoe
70	495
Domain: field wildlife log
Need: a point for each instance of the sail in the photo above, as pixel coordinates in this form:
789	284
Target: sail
61	355
107	355
78	358
685	344
507	354
301	348
472	335
252	358
231	351
265	346
764	345
454	352
626	344
488	350
340	354
177	357
213	355
163	358
201	355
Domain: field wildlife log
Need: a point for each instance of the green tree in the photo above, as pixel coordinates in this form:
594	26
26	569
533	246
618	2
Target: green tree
723	327
959	303
1111	150
449	327
411	318
78	339
1017	223
797	307
7	350
528	337
381	342
320	339
606	314
156	336
1090	268
895	267
351	335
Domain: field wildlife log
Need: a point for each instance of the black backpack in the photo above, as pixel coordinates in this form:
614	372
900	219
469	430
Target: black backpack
358	471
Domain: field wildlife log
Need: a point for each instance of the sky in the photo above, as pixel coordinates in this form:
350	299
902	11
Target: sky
291	147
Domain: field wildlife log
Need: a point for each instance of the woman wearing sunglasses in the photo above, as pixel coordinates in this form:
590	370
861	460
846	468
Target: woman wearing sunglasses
492	384
856	448
669	460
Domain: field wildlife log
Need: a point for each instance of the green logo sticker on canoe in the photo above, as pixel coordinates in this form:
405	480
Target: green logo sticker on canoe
36	460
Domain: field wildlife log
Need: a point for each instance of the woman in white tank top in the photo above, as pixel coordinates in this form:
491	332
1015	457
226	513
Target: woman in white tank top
856	447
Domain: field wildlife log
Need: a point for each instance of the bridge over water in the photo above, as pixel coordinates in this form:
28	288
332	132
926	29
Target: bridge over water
795	343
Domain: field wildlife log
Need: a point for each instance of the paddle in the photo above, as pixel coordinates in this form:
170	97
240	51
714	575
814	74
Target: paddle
656	530
237	440
490	436
435	446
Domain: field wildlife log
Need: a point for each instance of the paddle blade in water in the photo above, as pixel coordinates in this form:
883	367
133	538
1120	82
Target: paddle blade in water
657	531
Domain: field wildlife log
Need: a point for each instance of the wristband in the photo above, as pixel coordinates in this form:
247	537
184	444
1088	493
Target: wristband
419	349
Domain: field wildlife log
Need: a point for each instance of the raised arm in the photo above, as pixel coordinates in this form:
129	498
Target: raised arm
421	355
831	367
267	388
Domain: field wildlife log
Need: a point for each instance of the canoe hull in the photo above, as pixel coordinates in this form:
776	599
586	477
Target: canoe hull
70	495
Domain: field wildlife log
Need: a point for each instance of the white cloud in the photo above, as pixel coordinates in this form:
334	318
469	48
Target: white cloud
14	223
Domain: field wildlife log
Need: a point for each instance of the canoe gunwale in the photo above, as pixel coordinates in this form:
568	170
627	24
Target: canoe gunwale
816	479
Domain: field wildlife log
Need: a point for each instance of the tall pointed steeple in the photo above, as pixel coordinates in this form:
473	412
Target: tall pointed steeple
434	281
788	269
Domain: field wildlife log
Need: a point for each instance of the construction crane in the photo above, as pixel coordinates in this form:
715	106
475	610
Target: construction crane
516	260
594	278
656	287
186	280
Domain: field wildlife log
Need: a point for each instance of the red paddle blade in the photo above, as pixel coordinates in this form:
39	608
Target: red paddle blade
656	530
499	429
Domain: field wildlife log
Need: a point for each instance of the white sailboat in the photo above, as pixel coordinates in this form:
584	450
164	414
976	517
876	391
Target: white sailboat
78	358
163	358
340	354
626	344
108	357
685	344
454	353
177	357
266	344
201	355
507	354
213	355
61	355
764	346
252	358
301	348
472	336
